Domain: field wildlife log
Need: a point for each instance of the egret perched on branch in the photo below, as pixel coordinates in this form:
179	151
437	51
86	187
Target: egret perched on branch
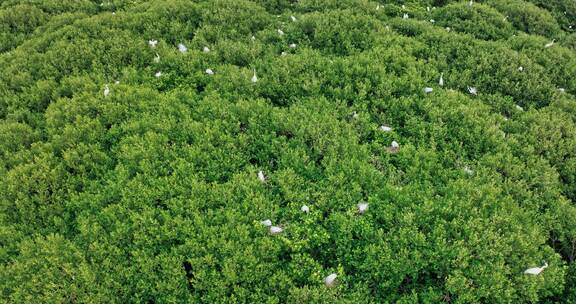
280	32
157	58
305	209
549	44
468	171
330	280
106	91
472	90
385	128
355	115
441	81
536	270
470	3
276	230
158	74
519	108
261	176
394	147
209	72
362	207
283	54
293	45
206	49
428	90
405	16
117	82
266	222
293	18
520	68
182	48
254	78
152	43
378	7
253	38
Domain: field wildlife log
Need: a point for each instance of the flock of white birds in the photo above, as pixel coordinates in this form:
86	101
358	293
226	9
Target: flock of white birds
362	207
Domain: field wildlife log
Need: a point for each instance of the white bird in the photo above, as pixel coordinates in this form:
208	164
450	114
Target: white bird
157	58
305	209
470	3
261	176
468	171
152	43
519	108
106	90
283	54
293	45
394	148
536	270
427	8
117	82
280	32
362	207
472	90
209	72
330	280
293	18
549	44
403	6
158	74
266	222
182	48
448	29
254	78
275	230
562	90
355	115
253	38
428	90
385	128
520	68
206	49
405	16
378	7
432	21
441	81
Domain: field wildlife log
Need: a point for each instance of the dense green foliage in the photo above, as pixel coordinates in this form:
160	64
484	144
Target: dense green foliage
150	194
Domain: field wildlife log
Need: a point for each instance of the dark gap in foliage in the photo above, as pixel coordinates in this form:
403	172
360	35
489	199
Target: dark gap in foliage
189	275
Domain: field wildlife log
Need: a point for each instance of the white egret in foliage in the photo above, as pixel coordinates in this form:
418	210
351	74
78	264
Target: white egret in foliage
562	90
283	54
536	270
441	81
427	8
468	171
305	209
549	44
362	207
470	3
432	21
182	48
209	72
330	280
293	18
405	16
254	78
253	38
394	147
519	108
261	176
158	74
520	69
280	32
378	7
152	43
428	90
293	45
106	90
117	82
157	58
472	90
355	115
385	128
266	222
276	230
206	49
